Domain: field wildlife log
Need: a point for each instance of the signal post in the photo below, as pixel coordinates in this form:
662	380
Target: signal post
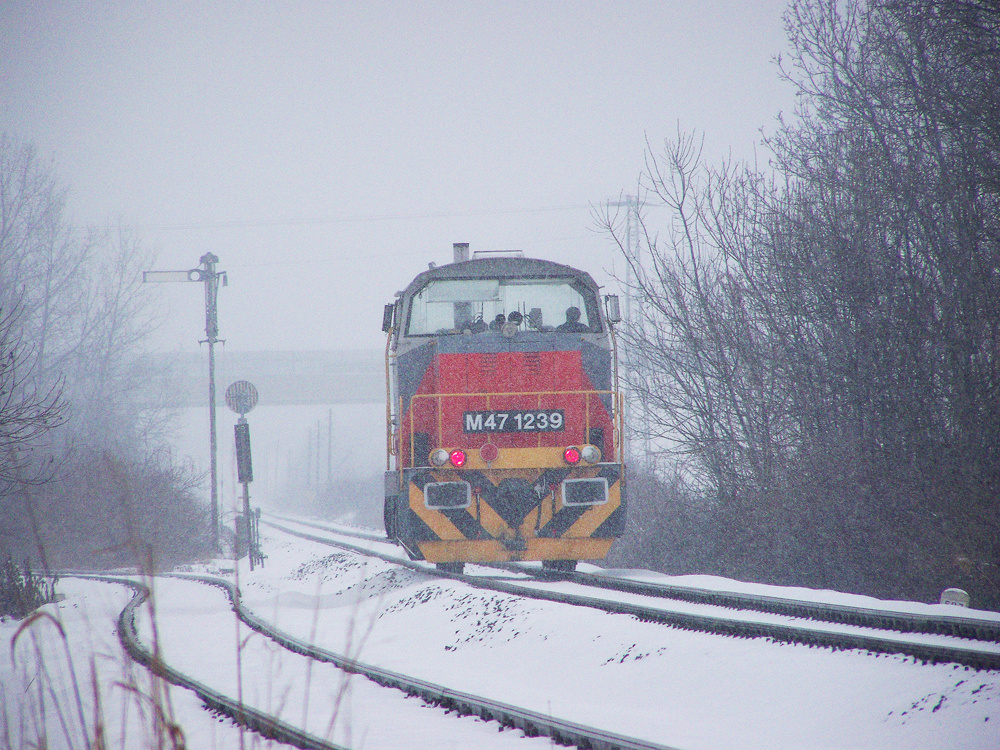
241	397
208	274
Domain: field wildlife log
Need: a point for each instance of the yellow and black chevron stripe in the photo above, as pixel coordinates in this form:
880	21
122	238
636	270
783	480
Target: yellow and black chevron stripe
514	514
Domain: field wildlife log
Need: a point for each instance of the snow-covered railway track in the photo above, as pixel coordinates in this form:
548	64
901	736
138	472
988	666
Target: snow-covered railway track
532	723
951	639
881	619
263	723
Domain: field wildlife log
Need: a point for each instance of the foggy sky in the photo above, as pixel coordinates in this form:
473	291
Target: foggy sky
327	151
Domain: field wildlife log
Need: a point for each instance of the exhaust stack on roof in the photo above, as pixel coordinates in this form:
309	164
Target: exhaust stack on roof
461	251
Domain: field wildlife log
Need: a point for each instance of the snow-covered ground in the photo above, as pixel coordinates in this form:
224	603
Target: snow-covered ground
680	688
46	698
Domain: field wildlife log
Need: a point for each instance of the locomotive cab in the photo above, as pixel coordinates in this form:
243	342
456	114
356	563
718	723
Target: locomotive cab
503	419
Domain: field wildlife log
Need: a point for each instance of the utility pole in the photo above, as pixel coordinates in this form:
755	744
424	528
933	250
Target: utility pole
208	274
329	447
319	453
631	204
633	325
309	459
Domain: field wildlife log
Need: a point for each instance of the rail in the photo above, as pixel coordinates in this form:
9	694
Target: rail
808	633
530	722
954	625
264	724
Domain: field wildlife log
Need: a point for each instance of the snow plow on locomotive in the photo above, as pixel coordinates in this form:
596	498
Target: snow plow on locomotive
503	416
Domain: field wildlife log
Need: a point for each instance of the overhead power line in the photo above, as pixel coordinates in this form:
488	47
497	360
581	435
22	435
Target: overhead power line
357	218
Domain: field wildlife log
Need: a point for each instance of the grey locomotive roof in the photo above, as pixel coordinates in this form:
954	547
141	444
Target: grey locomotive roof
488	268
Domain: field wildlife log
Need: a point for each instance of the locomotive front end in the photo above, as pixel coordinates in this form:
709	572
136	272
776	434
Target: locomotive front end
503	421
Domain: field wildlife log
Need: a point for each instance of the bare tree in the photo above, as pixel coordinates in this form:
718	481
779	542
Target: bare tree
81	301
104	362
825	345
704	355
27	415
72	365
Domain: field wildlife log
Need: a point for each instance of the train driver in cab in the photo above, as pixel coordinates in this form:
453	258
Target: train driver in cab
573	324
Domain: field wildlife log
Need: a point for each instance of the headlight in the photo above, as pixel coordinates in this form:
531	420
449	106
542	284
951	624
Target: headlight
591	454
439	457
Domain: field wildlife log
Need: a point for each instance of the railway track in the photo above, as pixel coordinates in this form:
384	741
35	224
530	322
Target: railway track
955	639
530	722
265	724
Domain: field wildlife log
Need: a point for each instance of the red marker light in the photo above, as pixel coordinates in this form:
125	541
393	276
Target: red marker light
571	455
458	457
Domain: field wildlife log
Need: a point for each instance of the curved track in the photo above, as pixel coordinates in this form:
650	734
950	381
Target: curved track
950	639
258	721
532	723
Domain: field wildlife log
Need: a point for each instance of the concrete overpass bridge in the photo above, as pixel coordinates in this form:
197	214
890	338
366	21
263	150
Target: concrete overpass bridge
283	378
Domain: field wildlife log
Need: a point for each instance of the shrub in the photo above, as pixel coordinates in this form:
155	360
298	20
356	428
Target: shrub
21	591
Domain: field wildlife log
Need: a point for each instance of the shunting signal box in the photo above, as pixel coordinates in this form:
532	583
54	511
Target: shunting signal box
244	462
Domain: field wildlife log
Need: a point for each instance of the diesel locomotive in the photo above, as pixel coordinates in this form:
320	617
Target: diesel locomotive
503	417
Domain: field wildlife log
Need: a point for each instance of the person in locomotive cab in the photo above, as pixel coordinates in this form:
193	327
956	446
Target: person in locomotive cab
498	321
535	318
464	322
573	324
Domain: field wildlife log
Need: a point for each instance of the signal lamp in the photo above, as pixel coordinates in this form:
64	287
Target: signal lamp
457	458
571	455
590	453
439	457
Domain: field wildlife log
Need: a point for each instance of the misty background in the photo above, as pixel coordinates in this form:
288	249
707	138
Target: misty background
326	152
813	352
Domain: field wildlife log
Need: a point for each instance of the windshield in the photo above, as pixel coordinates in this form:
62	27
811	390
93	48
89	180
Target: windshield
453	306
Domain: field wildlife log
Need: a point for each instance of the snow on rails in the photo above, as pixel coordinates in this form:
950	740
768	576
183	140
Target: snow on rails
935	639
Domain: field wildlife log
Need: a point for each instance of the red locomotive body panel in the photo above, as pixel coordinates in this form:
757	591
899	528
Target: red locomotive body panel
548	380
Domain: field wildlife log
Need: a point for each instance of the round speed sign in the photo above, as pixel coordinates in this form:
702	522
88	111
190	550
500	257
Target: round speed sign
241	396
